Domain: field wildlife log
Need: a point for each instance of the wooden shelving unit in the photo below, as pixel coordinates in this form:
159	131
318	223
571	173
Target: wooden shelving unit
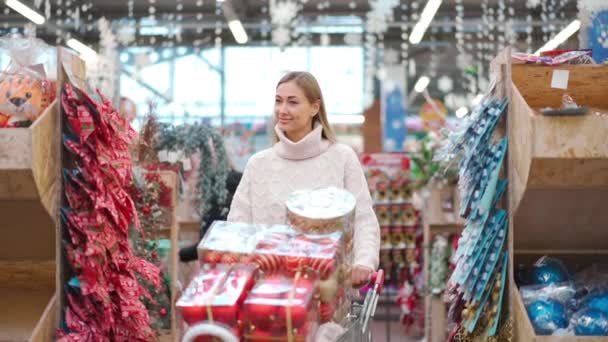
171	231
29	199
437	220
558	173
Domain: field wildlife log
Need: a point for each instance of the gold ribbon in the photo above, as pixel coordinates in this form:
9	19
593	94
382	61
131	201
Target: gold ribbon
214	293
288	308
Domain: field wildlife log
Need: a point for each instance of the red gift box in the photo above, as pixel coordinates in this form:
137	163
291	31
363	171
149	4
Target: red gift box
279	306
229	242
216	294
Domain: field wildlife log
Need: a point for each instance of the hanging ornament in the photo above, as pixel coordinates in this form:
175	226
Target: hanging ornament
282	15
125	35
445	84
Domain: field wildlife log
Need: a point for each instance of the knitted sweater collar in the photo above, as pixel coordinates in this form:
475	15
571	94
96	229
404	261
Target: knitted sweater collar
310	146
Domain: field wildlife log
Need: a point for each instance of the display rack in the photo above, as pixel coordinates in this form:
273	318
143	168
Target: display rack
438	220
558	178
29	198
171	231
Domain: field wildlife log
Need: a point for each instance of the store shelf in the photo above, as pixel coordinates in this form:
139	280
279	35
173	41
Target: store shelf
446	228
27	315
29	198
558	173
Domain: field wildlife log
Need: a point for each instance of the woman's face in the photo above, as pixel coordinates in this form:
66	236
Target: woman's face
293	111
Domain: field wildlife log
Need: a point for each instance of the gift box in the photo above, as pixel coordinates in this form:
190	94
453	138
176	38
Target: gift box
229	242
281	308
216	294
324	211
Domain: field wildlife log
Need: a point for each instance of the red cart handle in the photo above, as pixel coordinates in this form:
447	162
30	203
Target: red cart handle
378	279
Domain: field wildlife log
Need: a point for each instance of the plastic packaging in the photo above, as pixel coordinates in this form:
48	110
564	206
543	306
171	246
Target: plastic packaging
229	242
25	87
590	322
279	306
546	270
216	294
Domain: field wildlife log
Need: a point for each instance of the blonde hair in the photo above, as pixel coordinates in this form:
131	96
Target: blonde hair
309	85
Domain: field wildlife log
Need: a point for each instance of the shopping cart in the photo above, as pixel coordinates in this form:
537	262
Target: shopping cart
357	323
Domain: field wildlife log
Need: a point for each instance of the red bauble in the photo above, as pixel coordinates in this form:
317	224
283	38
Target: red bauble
261	315
211	257
154	254
326	312
163	312
294	263
298	316
146	210
225	314
229	258
267	262
193	314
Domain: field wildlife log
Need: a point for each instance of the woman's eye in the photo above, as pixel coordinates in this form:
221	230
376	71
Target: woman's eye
277	101
293	102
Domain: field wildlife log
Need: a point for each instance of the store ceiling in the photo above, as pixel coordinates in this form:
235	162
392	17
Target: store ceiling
199	21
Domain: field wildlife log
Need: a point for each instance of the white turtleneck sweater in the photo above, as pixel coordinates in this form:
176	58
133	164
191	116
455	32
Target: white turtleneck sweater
311	163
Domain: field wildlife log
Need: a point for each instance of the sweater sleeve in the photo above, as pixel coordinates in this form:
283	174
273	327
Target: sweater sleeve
367	229
240	208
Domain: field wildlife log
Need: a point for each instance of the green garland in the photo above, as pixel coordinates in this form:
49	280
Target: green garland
214	166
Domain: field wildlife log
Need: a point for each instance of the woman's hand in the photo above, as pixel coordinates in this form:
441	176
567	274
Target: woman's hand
361	275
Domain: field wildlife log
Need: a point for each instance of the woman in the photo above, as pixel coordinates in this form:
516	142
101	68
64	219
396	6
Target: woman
306	156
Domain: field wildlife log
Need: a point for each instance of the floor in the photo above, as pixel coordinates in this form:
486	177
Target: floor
387	328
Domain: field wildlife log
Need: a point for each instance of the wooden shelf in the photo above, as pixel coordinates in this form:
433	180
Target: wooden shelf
22	310
557	170
29	199
446	228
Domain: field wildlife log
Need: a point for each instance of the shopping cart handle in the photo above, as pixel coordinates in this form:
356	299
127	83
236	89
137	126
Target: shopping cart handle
378	279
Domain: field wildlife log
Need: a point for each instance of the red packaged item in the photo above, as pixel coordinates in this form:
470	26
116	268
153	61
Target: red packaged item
281	248
216	294
280	308
229	242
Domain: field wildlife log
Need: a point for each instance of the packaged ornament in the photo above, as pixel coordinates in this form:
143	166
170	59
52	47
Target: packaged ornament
26	89
549	306
216	294
544	271
324	211
281	308
229	242
590	322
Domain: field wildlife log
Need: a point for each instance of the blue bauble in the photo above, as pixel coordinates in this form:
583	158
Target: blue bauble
590	322
549	271
598	301
547	315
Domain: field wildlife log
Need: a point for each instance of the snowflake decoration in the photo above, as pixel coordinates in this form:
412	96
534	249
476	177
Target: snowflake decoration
281	36
353	39
283	13
445	84
391	57
593	6
533	3
125	35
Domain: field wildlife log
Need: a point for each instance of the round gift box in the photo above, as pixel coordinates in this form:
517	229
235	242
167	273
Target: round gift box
321	211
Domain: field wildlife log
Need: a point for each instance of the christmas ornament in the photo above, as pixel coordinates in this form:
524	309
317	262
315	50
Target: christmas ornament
549	271
590	322
547	315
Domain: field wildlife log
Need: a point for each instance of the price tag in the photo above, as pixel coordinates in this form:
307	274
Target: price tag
172	157
559	80
163	156
187	164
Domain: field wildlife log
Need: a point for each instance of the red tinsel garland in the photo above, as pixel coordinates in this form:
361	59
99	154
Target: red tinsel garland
106	306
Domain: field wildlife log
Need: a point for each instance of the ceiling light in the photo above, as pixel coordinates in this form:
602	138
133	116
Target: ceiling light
85	52
421	84
461	112
25	11
561	37
425	20
238	31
